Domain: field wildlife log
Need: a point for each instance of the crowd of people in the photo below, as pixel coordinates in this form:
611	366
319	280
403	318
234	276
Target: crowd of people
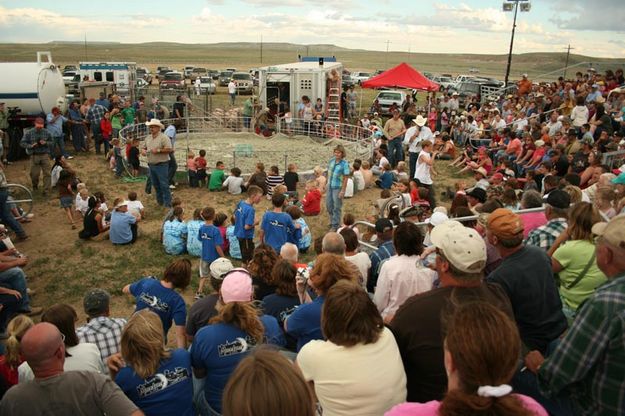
517	311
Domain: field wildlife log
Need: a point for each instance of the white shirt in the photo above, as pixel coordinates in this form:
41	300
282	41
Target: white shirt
232	87
422	169
349	188
400	278
363	262
135	207
363	380
579	115
359	180
234	184
82	205
424	134
84	357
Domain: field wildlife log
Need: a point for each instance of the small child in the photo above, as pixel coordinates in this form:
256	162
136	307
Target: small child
66	195
273	179
135	207
210	236
291	178
194	246
385	181
106	130
404	188
82	200
233	182
192	170
321	180
278	227
510	200
359	179
117	157
280	189
217	177
200	167
312	200
401	171
258	178
219	222
367	174
133	157
235	250
305	240
245	221
288	121
348	222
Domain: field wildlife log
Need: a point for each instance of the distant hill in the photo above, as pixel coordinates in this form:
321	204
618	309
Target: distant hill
246	55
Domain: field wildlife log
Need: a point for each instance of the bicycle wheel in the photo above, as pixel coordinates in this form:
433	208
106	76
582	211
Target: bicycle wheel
20	200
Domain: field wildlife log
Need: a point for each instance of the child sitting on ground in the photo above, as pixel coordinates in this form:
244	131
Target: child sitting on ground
385	181
200	168
258	178
321	180
359	179
233	182
233	241
82	199
305	240
192	170
273	179
367	174
312	200
403	187
400	173
217	177
135	207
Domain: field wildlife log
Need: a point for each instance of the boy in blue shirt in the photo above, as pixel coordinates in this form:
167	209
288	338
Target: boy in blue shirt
245	221
278	227
211	240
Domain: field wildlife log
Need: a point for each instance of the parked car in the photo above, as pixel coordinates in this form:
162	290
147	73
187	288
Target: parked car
231	69
444	82
224	78
358	77
207	85
388	98
70	76
347	81
197	72
213	74
69	68
143	73
162	70
472	88
244	82
172	81
187	71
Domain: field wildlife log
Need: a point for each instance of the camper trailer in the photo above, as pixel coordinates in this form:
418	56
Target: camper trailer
122	74
289	82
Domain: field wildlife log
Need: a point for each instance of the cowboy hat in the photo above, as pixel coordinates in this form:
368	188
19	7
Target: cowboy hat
154	122
419	120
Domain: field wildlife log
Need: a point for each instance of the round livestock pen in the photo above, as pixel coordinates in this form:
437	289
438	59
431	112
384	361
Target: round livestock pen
227	139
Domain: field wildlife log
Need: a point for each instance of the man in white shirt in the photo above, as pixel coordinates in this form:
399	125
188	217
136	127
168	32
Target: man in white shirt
454	104
413	138
232	91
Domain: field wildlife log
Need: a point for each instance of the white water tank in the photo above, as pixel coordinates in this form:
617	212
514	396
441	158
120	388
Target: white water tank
34	87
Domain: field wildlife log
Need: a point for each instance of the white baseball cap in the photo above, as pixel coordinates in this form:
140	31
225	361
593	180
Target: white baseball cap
437	219
462	246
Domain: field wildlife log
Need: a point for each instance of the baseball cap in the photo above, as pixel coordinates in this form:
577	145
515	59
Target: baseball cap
437	219
558	199
96	301
477	193
619	180
383	225
613	231
504	223
220	267
462	246
237	286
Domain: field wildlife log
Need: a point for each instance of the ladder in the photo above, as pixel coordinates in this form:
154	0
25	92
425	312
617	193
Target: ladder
333	105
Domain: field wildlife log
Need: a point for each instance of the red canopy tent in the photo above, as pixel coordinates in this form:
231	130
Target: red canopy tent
401	76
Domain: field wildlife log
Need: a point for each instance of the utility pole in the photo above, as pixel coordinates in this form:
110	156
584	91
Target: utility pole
508	5
261	48
86	58
386	56
566	64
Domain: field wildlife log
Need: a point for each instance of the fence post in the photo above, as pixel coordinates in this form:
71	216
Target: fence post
286	161
234	158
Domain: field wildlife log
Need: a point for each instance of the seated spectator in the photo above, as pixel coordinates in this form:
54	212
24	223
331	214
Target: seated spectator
162	298
532	220
175	233
79	356
360	259
12	358
219	347
402	275
312	200
135	207
384	233
258	178
68	393
101	329
482	346
556	210
194	245
93	223
358	349
284	301
233	182
260	267
123	224
155	378
268	383
13	288
304	324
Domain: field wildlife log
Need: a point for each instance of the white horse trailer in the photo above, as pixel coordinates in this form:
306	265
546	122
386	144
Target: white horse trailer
122	74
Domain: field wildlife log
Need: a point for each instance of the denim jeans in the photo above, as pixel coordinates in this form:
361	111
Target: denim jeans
173	167
159	176
97	136
412	162
119	165
79	137
14	278
395	151
60	142
334	204
7	216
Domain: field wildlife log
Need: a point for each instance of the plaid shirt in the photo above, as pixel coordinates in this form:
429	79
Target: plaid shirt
104	332
336	172
545	235
95	114
589	364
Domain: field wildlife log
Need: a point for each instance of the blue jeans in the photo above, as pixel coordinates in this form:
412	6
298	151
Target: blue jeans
334	204
159	176
119	165
79	137
60	142
173	167
232	98
412	162
14	278
395	151
97	136
6	215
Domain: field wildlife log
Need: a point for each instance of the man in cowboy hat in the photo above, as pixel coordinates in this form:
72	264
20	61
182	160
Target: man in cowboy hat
157	147
394	130
413	138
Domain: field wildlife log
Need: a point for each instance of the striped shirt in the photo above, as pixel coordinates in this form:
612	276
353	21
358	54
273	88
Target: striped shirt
273	181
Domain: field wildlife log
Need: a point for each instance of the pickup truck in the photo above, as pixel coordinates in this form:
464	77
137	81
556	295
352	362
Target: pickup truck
244	82
388	98
172	81
358	77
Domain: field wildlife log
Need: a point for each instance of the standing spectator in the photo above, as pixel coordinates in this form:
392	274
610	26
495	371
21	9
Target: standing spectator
338	172
157	148
170	132
394	129
232	91
101	329
248	112
54	124
245	221
37	142
424	170
77	127
384	233
94	116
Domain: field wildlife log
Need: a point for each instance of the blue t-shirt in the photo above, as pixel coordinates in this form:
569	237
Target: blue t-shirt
280	307
165	302
120	232
235	249
210	237
174	236
168	392
194	246
277	226
306	236
386	180
304	324
218	349
244	215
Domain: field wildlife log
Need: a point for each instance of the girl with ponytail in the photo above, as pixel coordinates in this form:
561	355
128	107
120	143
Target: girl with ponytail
9	362
219	347
482	350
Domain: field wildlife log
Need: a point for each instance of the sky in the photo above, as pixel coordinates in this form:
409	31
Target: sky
593	28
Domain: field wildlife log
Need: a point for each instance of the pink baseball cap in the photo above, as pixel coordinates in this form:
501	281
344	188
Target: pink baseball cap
237	286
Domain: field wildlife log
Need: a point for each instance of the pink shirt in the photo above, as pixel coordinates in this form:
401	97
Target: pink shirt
531	221
431	408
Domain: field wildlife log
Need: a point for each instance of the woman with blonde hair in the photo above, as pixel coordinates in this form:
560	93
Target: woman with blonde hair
11	360
267	383
304	323
219	347
155	378
574	192
573	258
605	199
482	349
